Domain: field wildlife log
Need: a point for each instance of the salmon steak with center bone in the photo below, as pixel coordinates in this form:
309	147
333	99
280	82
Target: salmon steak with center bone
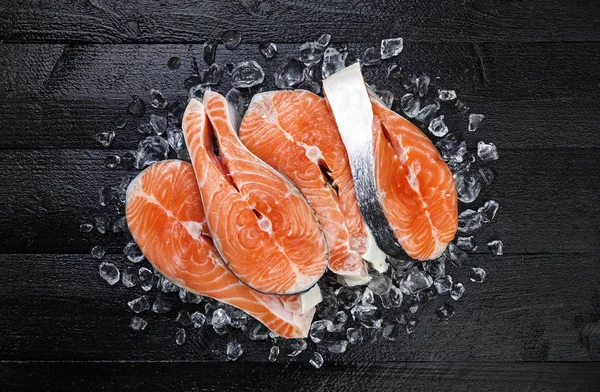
295	133
404	189
165	216
260	223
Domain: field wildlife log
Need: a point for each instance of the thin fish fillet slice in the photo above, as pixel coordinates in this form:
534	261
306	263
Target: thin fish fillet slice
260	223
419	195
165	216
294	132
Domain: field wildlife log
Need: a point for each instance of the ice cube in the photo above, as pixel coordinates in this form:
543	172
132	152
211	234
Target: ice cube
367	297
175	138
436	268
311	53
146	278
161	305
426	113
312	73
157	99
188	297
443	284
112	161
268	49
184	318
198	91
120	122
212	75
328	306
318	329
394	71
129	277
437	127
423	82
231	39
133	252
180	336
158	124
234	350
410	105
371	57
209	51
139	304
335	346
466	243
339	322
138	323
367	315
105	138
354	335
488	175
411	325
391	330
456	255
469	221
487	152
391	47
255	330
145	129
239	318
444	312
452	148
167	286
311	86
477	274
85	228
174	62
220	321
273	354
247	74
496	247
98	252
102	224
460	106
474	120
415	280
333	61
151	150
348	297
316	360
468	184
289	74
446	95
198	319
109	272
105	196
324	40
488	210
393	299
293	347
380	284
136	106
457	291
127	160
386	97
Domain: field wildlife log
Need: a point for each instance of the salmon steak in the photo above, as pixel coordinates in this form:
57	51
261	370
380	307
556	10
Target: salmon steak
415	210
295	133
165	216
260	223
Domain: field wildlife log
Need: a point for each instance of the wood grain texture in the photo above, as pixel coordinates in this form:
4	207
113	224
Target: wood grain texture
187	21
77	91
530	308
350	377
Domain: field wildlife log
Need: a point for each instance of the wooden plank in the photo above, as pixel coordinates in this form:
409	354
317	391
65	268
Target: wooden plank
530	308
549	201
186	21
201	376
77	91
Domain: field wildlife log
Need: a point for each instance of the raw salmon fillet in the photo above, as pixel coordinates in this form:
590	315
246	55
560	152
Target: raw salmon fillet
260	223
165	216
416	204
294	132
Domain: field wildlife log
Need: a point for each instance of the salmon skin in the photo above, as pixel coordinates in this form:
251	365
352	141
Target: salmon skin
415	211
260	223
164	214
294	132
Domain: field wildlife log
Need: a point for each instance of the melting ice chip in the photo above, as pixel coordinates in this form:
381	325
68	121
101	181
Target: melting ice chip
469	221
339	322
139	304
198	319
410	105
231	39
109	272
146	278
474	120
273	353
184	318
391	47
324	40
427	112
161	305
157	99
393	299
133	252
354	335
367	315
234	350
268	49
151	150
496	247
437	127
446	95
443	284
316	360
175	138
210	51
311	86
311	53
415	280
336	346
456	255
158	124
86	228
212	75
422	85
98	252
468	184
180	336
444	312
112	161
385	96
368	297
105	138
488	210
477	274
220	320
289	74
380	284
136	106
348	297
391	331
457	291
129	277
138	323
487	152
293	347
452	148
371	57
466	243
247	74
333	61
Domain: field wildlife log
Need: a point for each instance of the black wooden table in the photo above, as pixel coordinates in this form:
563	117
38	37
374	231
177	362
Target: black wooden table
68	68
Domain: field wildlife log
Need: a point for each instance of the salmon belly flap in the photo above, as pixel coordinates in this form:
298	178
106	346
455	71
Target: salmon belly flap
260	223
165	216
294	132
